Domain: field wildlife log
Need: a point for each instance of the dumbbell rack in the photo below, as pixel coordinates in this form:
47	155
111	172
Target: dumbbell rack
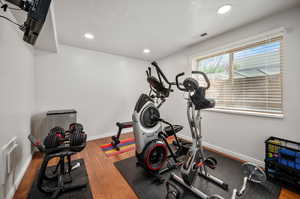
60	145
282	162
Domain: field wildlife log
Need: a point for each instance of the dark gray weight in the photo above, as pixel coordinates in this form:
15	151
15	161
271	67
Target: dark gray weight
75	127
51	141
77	138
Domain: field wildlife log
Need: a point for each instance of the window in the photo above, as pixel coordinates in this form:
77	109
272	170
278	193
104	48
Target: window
248	78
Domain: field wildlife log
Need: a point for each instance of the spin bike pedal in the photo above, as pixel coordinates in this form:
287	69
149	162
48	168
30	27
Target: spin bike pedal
210	162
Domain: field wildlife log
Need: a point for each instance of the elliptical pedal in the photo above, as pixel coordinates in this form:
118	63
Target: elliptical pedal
173	191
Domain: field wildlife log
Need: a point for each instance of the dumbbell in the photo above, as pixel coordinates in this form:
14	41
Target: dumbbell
75	139
75	136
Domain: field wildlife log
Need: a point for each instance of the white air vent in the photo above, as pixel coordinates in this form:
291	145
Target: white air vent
11	159
7	159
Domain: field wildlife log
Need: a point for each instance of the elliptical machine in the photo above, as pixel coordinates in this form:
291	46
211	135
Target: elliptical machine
196	163
152	147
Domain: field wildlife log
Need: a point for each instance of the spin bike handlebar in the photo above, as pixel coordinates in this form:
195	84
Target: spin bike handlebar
178	84
204	76
193	72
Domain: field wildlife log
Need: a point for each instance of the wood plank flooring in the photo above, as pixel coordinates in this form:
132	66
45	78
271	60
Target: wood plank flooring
105	180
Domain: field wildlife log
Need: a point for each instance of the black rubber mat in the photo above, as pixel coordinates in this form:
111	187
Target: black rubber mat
79	176
228	170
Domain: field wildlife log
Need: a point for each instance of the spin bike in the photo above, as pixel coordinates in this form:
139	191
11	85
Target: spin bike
196	163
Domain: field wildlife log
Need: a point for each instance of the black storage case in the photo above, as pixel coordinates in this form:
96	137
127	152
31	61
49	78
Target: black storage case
285	174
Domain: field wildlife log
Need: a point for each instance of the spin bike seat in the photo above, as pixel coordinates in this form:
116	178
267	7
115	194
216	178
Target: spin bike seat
169	131
200	101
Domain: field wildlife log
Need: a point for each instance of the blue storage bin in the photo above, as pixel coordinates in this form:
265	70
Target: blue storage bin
283	161
283	164
289	163
287	152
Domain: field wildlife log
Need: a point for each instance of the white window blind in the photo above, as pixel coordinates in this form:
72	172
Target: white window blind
248	78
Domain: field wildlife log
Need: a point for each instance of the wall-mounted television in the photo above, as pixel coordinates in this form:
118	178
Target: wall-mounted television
37	11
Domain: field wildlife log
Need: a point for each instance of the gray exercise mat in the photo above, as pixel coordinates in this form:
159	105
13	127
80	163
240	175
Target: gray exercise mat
228	170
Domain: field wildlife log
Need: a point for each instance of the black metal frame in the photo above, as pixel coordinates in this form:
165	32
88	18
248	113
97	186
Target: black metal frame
116	139
63	152
277	172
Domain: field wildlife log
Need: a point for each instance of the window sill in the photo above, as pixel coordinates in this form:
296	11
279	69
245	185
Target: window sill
249	113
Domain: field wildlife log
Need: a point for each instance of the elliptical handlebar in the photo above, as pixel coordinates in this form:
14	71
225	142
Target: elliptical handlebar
160	85
159	71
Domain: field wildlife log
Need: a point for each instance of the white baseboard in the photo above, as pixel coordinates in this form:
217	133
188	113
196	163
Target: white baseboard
19	178
104	135
228	152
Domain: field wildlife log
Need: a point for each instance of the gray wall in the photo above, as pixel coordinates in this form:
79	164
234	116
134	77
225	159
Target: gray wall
16	98
103	88
243	135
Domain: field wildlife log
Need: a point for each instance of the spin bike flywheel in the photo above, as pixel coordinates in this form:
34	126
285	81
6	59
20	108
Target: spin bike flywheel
154	155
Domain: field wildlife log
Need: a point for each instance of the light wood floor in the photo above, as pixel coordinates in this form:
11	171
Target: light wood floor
105	180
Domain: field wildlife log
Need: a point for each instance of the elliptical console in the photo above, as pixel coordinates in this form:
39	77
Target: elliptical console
150	149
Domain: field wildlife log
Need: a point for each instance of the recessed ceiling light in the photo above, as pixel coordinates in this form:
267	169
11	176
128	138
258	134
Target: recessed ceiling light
224	9
146	51
89	36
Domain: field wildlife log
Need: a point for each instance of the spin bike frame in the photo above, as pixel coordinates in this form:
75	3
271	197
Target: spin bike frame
196	161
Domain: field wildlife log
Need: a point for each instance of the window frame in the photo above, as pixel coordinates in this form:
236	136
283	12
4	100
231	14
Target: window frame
269	37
